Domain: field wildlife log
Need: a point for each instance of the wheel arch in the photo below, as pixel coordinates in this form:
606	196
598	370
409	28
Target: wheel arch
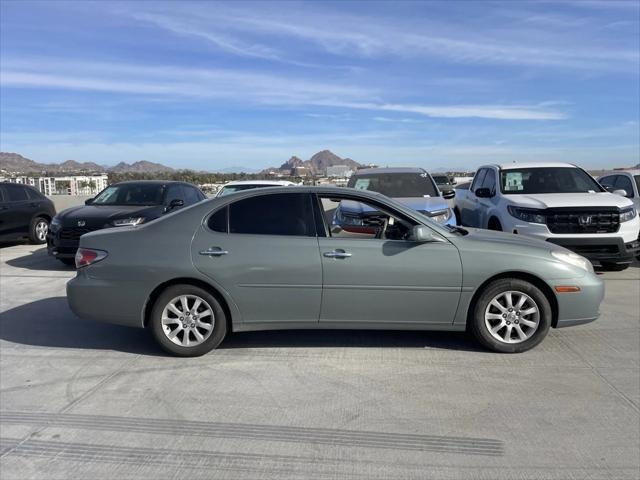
494	217
528	277
148	306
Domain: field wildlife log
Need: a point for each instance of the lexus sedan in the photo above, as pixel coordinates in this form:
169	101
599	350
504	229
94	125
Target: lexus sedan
272	259
118	205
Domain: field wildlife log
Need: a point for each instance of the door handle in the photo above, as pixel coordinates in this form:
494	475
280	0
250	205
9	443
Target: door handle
214	252
337	254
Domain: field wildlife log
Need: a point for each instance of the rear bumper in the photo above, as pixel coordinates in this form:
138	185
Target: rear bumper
608	249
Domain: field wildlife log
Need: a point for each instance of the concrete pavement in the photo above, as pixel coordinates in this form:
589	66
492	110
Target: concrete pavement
85	400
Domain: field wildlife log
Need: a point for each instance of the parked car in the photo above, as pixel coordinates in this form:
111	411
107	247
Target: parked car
24	213
444	182
242	185
623	182
118	205
413	187
266	259
556	202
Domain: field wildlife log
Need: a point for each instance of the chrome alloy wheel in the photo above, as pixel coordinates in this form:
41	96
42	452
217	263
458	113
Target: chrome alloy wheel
512	317
42	228
188	320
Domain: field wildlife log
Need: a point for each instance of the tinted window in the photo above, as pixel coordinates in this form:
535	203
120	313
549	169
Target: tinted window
624	183
218	221
396	184
608	182
131	194
547	180
191	195
240	188
174	192
478	179
489	180
279	214
15	193
34	194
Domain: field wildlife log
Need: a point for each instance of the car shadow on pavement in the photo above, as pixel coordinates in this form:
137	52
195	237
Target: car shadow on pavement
50	323
39	259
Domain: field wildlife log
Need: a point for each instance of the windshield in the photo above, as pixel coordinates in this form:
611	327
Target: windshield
396	185
130	194
239	188
441	179
547	180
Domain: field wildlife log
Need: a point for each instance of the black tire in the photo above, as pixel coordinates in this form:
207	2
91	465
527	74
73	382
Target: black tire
615	267
494	224
68	261
35	230
477	319
211	342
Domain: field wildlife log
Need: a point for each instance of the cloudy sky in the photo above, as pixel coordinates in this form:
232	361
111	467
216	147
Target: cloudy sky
210	85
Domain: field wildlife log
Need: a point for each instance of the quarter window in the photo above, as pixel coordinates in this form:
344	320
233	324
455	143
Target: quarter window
278	214
218	222
16	193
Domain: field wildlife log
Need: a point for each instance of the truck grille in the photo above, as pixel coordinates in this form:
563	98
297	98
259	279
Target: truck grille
583	220
73	233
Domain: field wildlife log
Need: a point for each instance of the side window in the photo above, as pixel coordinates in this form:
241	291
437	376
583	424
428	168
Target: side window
174	191
16	193
478	179
490	180
608	182
277	214
219	221
34	194
353	219
191	195
624	183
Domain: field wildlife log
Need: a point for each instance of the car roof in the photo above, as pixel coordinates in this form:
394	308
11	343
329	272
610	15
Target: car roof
150	182
518	165
630	171
260	182
369	171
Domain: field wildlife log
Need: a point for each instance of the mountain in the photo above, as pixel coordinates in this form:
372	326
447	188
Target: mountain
16	163
316	165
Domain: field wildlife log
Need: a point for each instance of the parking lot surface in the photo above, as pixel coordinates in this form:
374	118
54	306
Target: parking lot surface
85	400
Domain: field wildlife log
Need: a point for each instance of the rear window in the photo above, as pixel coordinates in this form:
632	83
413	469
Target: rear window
396	185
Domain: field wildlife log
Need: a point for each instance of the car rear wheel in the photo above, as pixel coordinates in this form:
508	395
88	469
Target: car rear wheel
38	230
511	316
187	321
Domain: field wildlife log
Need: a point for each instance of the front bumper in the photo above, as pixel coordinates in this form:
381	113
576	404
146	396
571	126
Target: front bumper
60	248
608	250
583	306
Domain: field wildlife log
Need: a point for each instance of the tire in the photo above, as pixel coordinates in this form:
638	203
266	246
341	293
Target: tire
480	325
68	261
38	230
494	224
194	346
615	267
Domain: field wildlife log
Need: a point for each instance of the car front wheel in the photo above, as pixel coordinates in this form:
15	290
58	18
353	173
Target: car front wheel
511	316
187	321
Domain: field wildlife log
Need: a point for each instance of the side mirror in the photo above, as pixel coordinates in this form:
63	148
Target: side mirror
88	201
620	191
483	193
423	234
175	203
449	194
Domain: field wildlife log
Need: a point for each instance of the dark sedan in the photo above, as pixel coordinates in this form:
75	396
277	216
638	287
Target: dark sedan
119	205
24	213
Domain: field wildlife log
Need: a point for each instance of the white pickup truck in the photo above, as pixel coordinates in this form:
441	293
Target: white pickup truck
556	202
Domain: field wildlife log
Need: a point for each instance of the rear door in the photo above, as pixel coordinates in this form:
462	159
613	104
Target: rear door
379	277
17	210
263	251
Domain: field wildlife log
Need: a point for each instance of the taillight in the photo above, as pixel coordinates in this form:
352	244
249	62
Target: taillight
87	256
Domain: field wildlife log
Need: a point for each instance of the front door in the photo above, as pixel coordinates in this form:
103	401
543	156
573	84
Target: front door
263	251
373	274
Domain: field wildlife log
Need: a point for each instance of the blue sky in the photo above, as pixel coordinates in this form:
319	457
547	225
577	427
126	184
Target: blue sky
210	85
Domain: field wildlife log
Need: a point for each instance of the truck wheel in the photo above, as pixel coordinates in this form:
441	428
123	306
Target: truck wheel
511	316
494	224
614	267
187	321
38	230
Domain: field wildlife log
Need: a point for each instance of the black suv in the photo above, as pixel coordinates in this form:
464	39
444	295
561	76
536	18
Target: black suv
118	205
24	213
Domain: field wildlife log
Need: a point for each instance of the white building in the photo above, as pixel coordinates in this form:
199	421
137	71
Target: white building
87	185
339	171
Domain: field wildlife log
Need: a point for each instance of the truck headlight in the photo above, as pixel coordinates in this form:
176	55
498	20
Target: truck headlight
128	222
440	216
573	259
530	215
627	214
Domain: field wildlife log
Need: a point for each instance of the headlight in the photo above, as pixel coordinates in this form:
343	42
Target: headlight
440	216
573	259
128	222
529	215
627	214
55	224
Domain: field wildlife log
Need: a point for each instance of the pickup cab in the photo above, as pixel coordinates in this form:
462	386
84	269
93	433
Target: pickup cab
555	202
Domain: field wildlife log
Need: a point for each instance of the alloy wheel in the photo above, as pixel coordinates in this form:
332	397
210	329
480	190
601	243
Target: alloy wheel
188	320
512	317
42	228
